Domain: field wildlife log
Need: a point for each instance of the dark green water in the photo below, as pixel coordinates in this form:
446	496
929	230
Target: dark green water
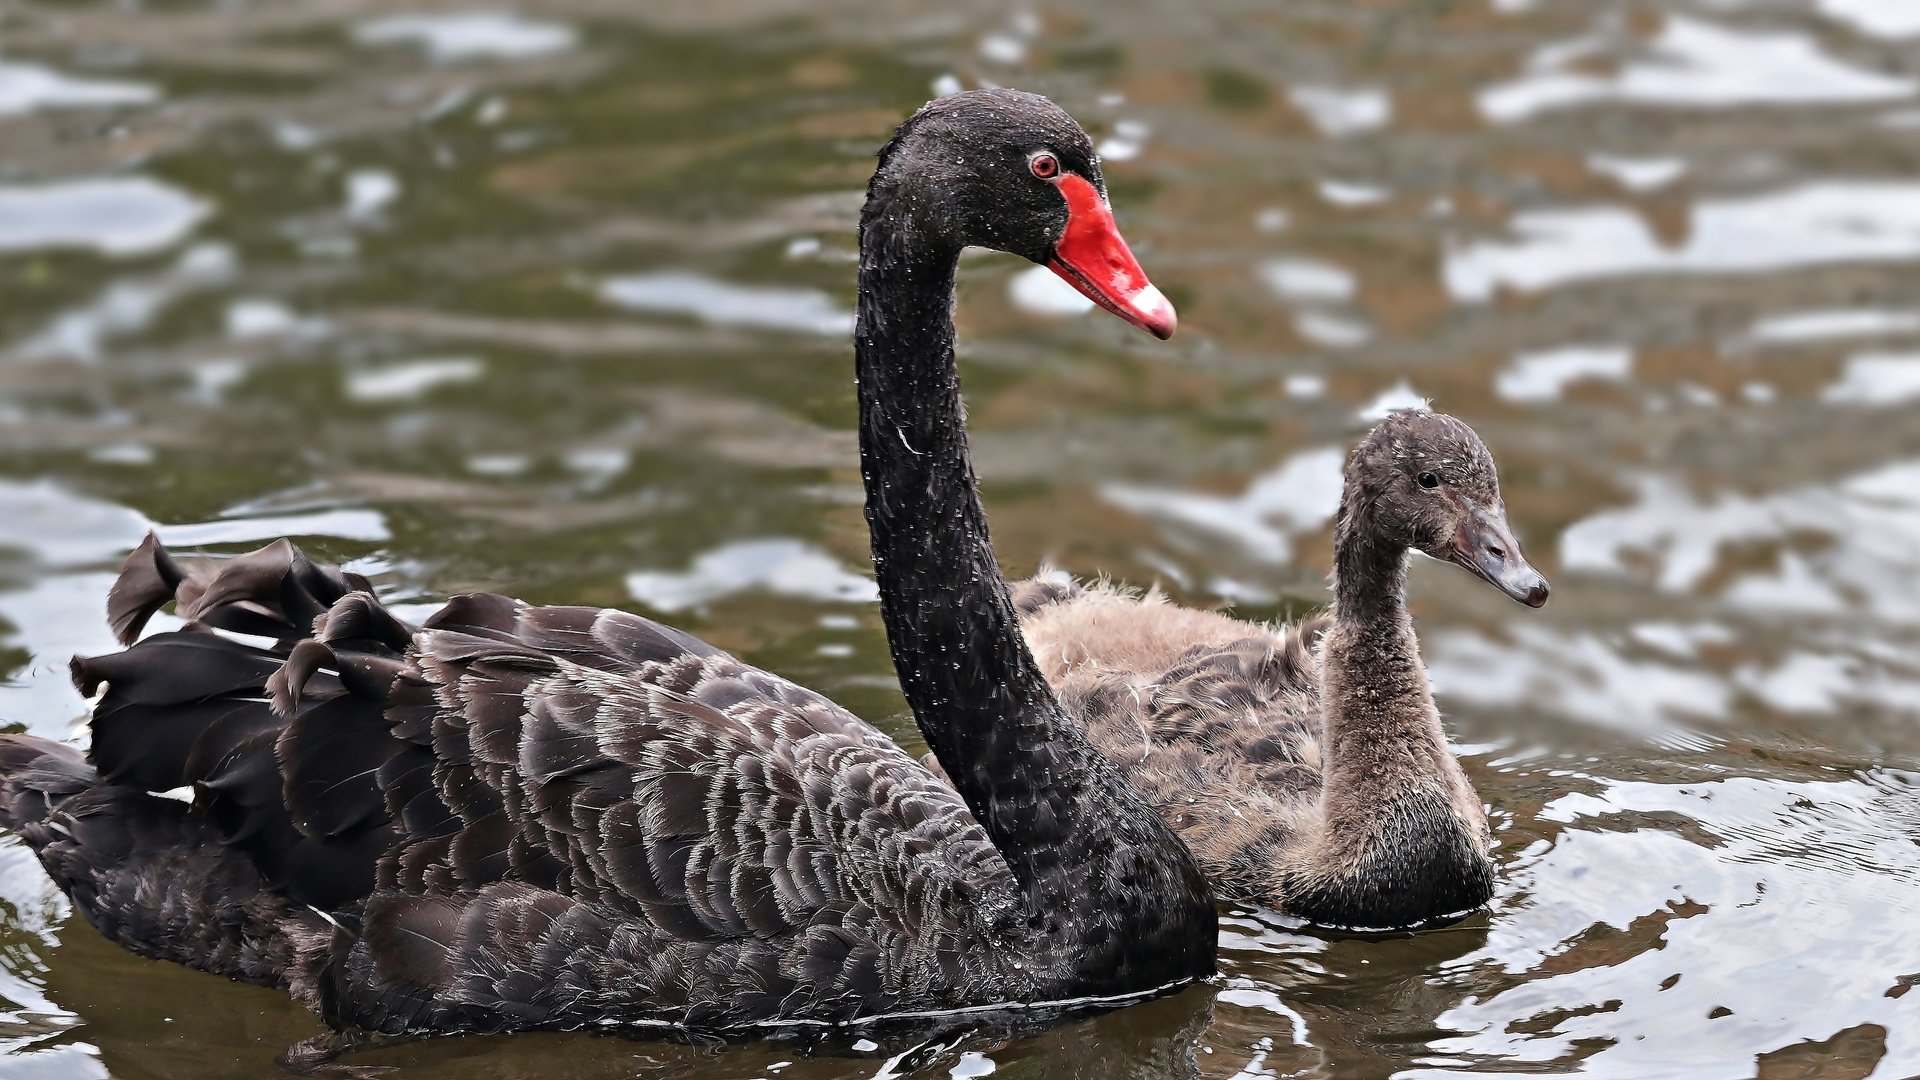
557	303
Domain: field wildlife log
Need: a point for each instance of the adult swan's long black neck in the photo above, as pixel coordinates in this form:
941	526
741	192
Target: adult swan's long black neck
511	817
1112	899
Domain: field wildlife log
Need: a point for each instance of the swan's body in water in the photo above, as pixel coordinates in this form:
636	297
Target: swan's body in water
513	817
1305	765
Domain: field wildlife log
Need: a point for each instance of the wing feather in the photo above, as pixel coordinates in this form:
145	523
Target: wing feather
540	815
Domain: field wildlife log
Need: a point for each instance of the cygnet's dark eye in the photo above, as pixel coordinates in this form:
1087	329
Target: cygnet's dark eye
1428	480
1044	165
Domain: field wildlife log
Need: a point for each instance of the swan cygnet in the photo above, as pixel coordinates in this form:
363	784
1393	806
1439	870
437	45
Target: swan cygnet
1306	764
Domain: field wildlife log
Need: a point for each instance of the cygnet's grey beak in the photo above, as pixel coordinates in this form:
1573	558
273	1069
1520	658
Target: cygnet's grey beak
1486	547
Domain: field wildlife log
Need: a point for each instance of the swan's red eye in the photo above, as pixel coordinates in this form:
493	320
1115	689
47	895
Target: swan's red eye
1044	166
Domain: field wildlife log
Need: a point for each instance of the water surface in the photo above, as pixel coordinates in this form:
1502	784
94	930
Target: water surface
555	300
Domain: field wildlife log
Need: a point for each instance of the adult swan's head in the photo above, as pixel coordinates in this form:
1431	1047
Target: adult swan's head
1011	171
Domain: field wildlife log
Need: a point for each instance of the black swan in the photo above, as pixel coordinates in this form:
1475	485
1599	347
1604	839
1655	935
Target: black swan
1305	765
513	817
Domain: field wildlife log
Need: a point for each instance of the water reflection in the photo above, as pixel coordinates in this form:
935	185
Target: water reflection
1613	681
726	304
1300	495
1613	975
1308	280
783	567
1877	380
27	88
1883	18
1825	222
119	216
1339	111
1544	376
477	35
1813	326
1639	174
1040	290
1838	548
409	379
1689	63
369	191
128	306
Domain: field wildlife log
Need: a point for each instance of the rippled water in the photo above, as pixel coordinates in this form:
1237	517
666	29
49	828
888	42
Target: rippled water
555	300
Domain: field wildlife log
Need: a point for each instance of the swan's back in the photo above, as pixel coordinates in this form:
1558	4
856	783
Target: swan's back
1221	726
516	816
1214	721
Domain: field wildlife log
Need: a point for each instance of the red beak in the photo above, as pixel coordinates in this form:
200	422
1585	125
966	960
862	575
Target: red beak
1093	258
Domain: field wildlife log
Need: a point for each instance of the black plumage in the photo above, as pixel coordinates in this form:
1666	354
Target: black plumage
522	817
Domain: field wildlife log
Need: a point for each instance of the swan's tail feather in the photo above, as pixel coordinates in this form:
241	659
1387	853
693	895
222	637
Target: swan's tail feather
148	580
171	700
151	876
196	708
274	591
284	740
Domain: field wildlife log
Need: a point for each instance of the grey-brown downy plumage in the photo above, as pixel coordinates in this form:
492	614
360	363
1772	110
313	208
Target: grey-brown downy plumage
510	817
1305	765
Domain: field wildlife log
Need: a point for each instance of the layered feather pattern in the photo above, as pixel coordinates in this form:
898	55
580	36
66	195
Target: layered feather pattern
1221	726
519	816
1215	722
